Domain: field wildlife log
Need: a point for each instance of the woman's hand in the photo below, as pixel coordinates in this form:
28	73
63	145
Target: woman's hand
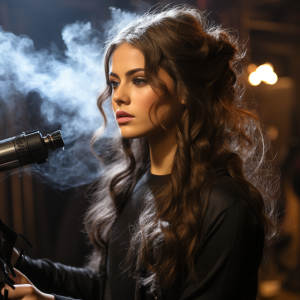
24	289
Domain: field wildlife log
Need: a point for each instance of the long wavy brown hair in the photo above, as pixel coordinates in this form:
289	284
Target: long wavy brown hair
216	127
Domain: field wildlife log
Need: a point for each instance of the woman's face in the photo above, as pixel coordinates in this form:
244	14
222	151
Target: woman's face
133	95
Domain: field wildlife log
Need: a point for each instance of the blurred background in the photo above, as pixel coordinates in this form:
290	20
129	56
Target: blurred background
51	218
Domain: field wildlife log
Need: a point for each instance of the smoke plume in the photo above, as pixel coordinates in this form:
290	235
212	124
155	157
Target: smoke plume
50	89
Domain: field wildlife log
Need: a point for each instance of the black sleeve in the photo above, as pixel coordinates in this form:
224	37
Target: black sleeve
56	278
229	257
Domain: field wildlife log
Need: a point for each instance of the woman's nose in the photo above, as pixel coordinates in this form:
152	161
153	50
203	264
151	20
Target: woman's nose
121	95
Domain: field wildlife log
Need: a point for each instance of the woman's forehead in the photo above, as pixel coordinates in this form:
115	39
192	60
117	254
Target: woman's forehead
126	57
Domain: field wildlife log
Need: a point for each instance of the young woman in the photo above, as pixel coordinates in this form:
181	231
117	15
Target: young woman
185	208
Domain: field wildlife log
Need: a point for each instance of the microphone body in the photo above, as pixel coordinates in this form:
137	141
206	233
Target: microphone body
28	148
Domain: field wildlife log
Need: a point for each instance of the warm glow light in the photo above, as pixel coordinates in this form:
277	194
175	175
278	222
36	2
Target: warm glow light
263	73
272	78
251	68
273	132
254	78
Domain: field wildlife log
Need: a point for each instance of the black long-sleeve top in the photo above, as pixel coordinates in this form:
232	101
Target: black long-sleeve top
229	256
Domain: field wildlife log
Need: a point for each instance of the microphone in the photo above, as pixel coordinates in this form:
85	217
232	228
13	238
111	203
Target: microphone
28	148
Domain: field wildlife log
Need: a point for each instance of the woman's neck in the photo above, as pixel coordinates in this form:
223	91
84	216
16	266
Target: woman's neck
162	148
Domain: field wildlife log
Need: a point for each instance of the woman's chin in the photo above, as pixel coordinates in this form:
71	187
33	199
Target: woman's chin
128	134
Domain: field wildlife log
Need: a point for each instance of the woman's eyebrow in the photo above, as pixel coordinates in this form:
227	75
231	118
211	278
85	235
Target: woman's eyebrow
128	73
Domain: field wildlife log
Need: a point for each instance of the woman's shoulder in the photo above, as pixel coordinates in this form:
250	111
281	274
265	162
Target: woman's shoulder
227	192
229	203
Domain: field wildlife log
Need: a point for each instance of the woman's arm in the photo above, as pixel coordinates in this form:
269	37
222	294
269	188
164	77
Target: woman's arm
56	278
24	289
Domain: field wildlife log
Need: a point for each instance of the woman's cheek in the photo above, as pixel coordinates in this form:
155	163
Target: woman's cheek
144	102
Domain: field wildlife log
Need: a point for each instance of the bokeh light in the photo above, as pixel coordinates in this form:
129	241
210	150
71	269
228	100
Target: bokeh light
254	78
263	73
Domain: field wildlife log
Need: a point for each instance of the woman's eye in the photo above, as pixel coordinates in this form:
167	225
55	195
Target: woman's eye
113	84
136	81
139	81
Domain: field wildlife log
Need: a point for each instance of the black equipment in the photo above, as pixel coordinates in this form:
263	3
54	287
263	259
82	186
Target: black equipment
16	152
28	148
7	241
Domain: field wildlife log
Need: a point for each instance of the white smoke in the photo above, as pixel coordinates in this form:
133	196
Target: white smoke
67	84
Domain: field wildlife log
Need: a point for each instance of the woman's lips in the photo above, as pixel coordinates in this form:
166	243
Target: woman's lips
123	116
124	119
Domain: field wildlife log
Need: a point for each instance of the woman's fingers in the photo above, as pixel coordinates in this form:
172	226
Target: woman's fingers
20	279
20	291
23	279
17	280
25	290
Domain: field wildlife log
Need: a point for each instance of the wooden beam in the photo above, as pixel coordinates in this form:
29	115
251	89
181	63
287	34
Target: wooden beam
275	48
17	203
262	2
273	27
4	211
29	213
